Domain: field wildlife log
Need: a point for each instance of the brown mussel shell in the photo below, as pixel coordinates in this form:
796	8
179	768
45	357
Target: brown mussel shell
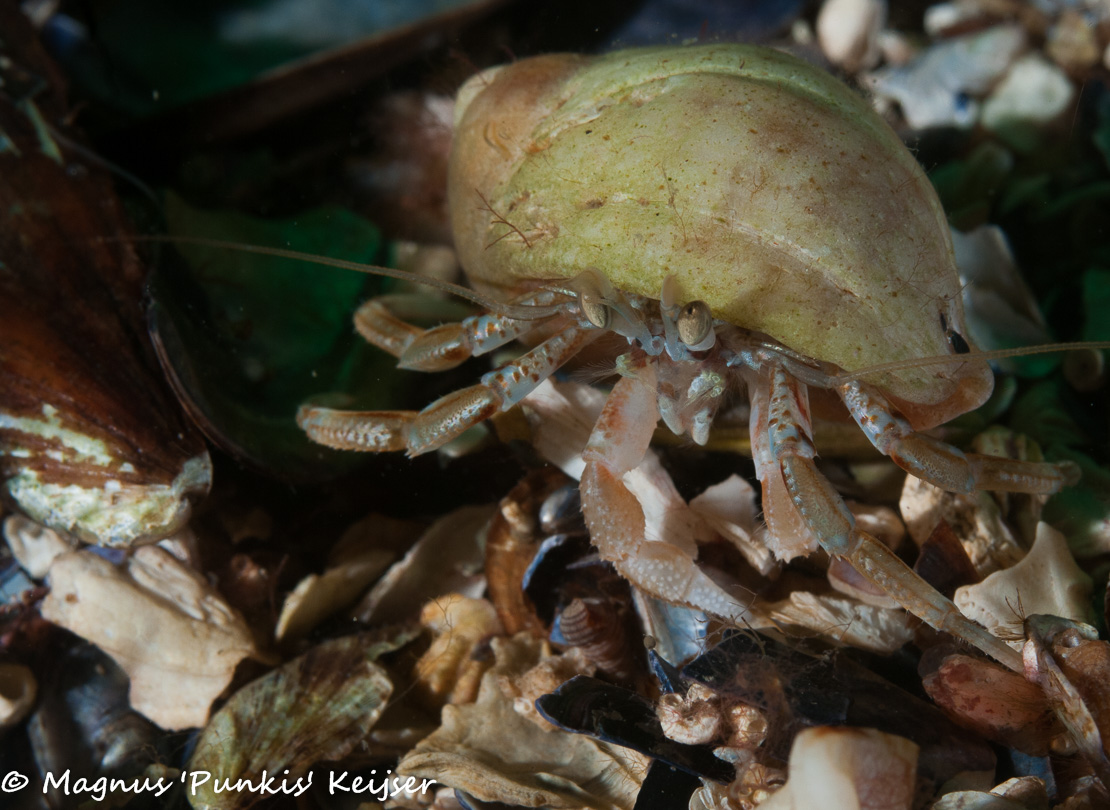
91	441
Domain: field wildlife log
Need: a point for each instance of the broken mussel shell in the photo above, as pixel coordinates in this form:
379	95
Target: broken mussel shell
543	576
91	441
616	715
83	721
794	690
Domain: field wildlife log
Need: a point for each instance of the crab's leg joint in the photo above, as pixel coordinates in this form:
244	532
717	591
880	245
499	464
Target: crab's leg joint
445	346
448	417
614	516
940	463
823	511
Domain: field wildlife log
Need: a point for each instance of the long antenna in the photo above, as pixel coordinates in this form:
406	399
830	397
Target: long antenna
526	312
995	354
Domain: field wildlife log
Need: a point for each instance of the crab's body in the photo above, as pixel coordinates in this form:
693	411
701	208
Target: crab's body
743	220
767	188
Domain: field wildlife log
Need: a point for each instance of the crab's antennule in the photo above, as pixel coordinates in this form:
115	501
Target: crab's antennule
996	354
526	312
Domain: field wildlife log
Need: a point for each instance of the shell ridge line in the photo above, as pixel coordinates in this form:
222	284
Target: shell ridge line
802	259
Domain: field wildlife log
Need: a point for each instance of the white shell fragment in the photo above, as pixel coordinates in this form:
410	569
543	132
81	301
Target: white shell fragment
939	17
448	558
318	596
562	416
185	546
848	769
1047	581
730	509
1019	793
838	619
17	693
1034	93
176	638
938	88
848	31
493	753
34	546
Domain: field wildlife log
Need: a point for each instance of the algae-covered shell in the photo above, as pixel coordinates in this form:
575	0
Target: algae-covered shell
766	187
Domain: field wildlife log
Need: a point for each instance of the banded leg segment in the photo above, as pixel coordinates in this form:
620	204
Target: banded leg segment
449	416
942	464
788	536
446	346
827	516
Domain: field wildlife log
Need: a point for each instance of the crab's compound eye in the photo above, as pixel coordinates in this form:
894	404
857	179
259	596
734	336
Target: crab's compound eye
957	342
1069	638
955	339
596	312
694	323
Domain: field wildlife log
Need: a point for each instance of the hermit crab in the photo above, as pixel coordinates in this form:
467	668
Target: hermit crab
744	222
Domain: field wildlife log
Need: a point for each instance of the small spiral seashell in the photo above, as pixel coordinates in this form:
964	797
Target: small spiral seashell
596	626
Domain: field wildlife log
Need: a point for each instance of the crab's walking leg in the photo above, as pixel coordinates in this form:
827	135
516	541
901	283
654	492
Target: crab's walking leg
422	431
826	515
618	443
788	536
942	464
445	346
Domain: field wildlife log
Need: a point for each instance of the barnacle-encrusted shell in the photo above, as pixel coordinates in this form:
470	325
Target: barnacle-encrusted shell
767	188
693	718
